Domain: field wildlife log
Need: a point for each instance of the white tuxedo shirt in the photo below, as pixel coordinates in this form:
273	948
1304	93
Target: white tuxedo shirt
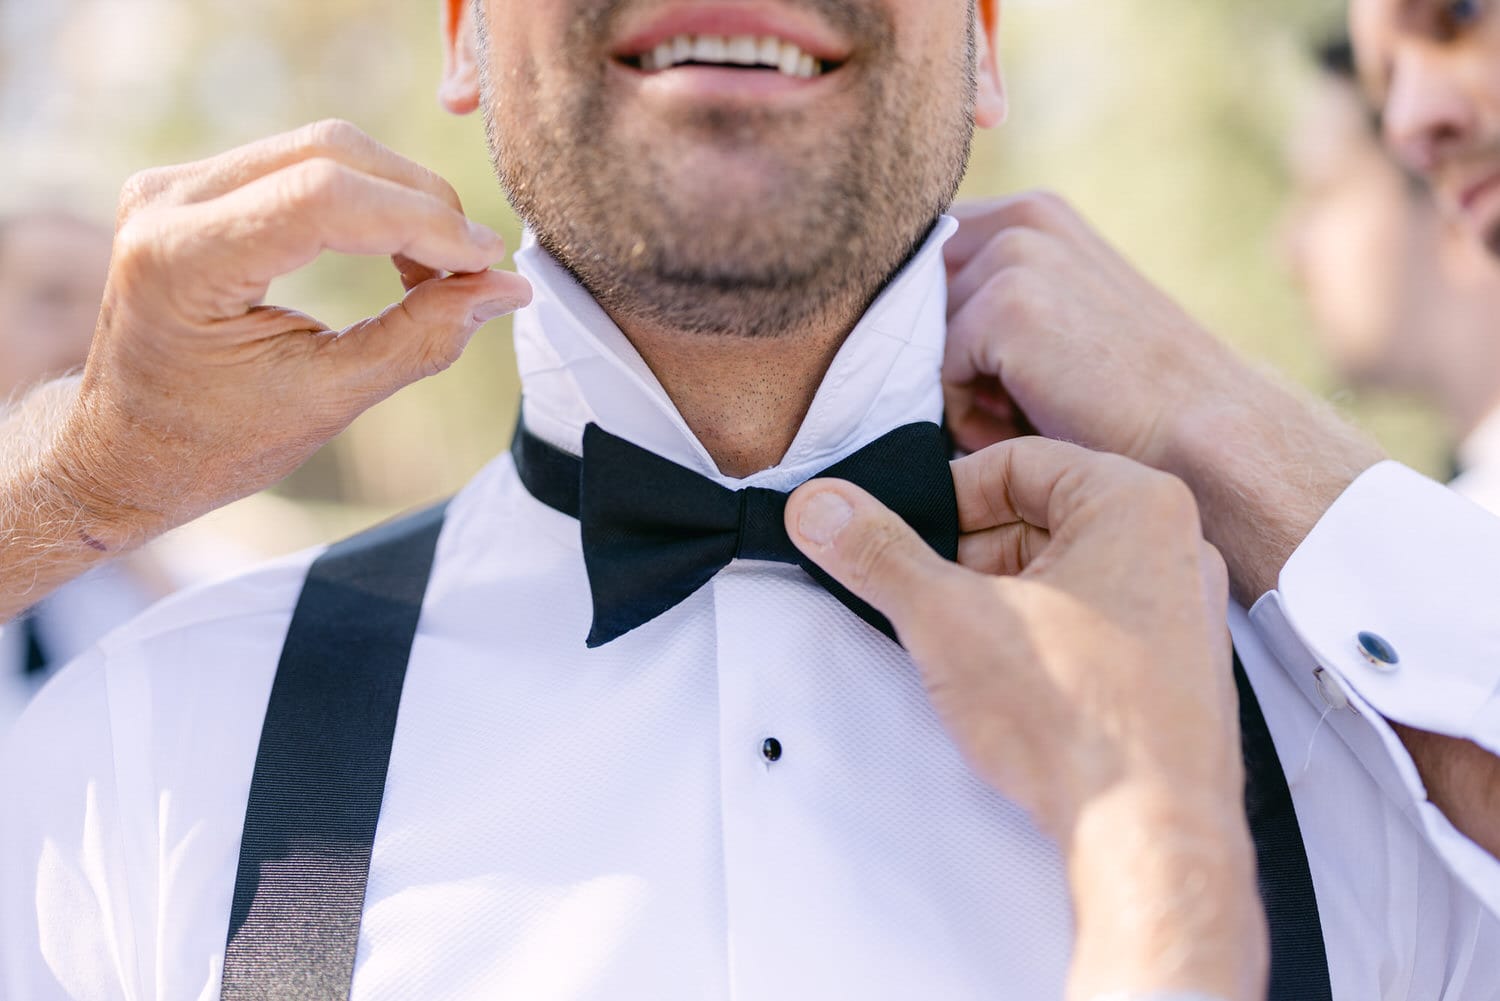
561	823
67	623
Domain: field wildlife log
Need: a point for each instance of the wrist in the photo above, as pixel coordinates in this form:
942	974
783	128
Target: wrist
53	524
89	467
1164	893
1265	465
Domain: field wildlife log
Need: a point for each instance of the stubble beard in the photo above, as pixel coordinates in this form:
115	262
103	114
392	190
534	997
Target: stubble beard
819	224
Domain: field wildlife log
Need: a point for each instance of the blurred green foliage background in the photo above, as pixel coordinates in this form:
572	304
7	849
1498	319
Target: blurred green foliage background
1162	119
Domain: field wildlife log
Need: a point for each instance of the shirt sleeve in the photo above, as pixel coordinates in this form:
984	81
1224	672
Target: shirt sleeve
61	853
1390	610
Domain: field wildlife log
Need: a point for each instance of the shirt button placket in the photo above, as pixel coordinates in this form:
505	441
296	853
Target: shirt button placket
755	751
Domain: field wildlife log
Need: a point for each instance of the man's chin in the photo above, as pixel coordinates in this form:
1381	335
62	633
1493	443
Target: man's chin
721	215
732	253
737	173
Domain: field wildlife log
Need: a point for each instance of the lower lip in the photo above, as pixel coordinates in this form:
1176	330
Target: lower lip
715	84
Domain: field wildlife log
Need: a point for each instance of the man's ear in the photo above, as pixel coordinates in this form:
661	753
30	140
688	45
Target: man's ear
459	91
992	106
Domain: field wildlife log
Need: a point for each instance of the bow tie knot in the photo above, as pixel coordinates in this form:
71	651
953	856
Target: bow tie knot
762	527
654	532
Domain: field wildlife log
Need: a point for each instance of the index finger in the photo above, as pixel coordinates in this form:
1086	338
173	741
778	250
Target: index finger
332	139
1022	480
242	241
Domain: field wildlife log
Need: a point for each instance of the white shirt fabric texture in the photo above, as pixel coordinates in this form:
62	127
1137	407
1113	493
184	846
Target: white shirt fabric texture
561	823
68	622
78	614
1479	454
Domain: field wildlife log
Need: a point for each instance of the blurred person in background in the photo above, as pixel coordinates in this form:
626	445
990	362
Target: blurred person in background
52	274
1403	299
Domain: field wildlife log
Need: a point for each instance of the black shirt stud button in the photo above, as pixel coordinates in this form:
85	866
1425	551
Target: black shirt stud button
1378	651
771	749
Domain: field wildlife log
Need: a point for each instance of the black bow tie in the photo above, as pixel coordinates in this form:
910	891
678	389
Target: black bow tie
654	532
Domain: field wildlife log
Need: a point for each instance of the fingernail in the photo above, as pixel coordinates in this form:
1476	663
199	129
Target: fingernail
823	517
482	234
487	311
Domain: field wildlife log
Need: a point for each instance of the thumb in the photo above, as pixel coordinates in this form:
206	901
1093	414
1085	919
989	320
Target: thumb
866	547
428	330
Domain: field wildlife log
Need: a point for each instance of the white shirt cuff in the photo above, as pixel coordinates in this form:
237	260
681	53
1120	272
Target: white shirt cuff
1416	565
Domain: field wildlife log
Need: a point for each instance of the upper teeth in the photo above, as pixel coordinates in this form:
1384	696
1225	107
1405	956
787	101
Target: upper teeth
737	50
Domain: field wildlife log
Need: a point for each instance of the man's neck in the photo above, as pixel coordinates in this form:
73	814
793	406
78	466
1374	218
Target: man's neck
733	404
743	397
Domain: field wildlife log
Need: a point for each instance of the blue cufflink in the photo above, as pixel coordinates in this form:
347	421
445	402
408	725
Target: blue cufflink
1378	651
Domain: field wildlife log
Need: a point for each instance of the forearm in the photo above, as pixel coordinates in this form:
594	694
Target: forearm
1263	483
52	526
1265	467
1165	898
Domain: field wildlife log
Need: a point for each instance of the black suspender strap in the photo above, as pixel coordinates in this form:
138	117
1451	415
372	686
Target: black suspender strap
1299	961
320	771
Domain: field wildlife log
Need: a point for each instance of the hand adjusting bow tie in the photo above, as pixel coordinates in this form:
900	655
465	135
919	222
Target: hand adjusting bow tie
654	532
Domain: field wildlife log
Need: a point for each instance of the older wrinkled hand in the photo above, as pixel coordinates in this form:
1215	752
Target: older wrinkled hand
195	393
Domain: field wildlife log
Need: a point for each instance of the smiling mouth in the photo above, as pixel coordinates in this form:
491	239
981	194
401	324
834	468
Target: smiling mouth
748	53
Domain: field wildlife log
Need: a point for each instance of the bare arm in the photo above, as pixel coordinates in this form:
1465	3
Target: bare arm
47	535
1262	495
196	394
